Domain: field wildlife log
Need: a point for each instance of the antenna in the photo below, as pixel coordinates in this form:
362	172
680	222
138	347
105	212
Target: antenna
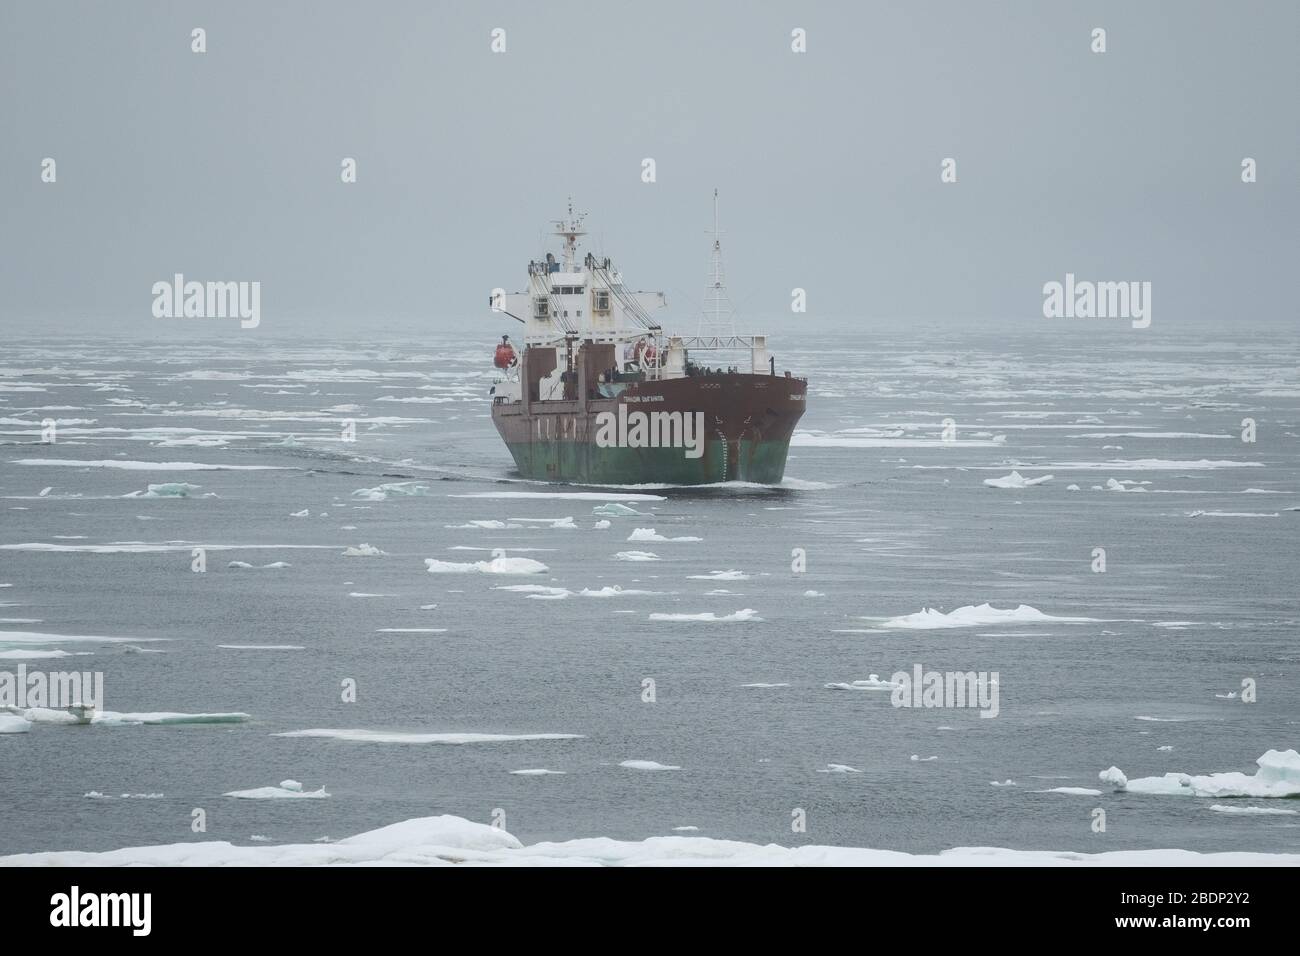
717	320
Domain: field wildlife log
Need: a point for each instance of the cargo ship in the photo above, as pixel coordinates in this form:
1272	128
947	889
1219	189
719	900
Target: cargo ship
599	393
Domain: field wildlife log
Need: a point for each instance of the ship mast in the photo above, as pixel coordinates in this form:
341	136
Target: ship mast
569	230
717	319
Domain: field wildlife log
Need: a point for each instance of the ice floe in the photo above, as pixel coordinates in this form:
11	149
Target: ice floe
1232	514
454	841
1016	480
1114	485
873	682
498	565
568	495
615	510
636	556
262	647
538	772
764	686
288	789
647	765
170	489
839	768
14	724
409	737
982	615
917	758
274	565
146	465
649	534
1253	811
363	551
1072	791
720	576
745	614
1278	776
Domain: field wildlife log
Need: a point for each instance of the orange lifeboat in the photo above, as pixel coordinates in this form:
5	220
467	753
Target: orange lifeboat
505	356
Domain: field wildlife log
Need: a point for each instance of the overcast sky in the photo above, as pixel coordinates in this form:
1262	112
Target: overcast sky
226	165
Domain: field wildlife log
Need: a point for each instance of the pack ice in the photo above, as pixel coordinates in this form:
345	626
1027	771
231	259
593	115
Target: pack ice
1278	776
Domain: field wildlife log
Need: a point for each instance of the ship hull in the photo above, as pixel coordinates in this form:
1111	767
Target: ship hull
747	423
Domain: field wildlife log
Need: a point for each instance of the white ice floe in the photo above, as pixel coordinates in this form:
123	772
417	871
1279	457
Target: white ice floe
614	590
1003	783
498	565
41	637
601	525
300	514
839	768
745	614
262	647
1071	791
1278	776
982	615
49	715
392	489
1113	485
1254	811
1232	514
720	576
1016	480
873	682
813	594
170	489
29	654
761	685
636	556
146	465
563	524
917	758
363	551
568	495
895	439
274	565
1071	487
405	737
288	790
647	765
14	724
649	534
454	841
538	772
615	510
1152	464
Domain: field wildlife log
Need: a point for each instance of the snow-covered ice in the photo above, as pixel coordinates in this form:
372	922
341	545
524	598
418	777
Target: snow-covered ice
977	616
498	565
649	534
454	841
1016	480
745	614
1278	776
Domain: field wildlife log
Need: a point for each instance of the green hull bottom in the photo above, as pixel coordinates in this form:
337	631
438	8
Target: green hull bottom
762	462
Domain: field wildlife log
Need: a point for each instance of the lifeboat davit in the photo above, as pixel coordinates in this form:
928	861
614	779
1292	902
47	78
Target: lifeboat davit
505	356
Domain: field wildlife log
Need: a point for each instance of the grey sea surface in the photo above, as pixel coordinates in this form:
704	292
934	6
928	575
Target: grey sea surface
1198	594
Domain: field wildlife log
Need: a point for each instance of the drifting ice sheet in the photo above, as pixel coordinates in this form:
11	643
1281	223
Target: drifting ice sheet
1278	776
453	841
